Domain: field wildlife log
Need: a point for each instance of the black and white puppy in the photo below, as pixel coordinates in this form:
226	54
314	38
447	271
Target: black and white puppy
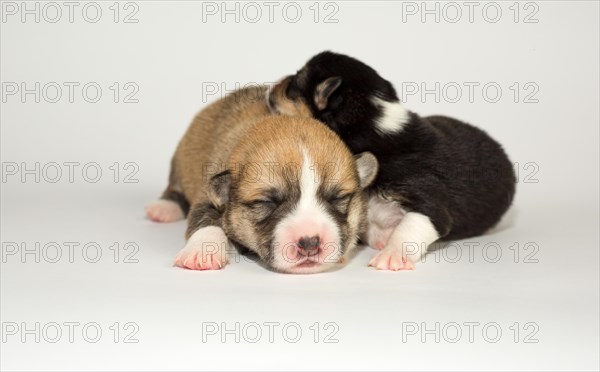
439	178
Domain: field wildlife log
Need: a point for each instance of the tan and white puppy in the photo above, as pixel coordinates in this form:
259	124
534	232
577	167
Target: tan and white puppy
287	189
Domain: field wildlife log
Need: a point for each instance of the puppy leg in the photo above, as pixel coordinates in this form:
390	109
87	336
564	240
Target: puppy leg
377	236
407	243
383	217
172	205
206	249
169	208
207	245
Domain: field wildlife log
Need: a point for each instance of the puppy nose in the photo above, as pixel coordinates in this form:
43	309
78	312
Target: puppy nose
309	245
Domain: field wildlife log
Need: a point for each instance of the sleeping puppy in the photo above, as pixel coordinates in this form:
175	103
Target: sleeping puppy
286	189
439	178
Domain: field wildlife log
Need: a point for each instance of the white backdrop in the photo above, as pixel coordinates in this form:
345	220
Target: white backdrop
107	87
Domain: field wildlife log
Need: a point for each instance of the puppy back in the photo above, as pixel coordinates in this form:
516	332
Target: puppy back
210	138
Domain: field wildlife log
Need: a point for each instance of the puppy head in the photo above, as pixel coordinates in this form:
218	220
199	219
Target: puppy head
343	92
292	193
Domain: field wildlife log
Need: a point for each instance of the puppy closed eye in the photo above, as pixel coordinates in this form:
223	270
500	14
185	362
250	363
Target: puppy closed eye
264	203
261	208
341	202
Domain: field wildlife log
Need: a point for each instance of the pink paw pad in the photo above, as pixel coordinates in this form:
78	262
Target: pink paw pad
206	249
198	261
391	259
164	211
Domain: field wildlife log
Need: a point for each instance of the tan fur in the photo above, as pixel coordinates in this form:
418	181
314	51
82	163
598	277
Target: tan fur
285	105
261	152
214	132
277	143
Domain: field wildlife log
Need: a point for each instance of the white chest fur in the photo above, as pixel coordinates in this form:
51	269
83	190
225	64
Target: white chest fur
401	236
383	217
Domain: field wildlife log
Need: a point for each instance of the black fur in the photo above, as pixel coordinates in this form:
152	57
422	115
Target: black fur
203	215
173	195
448	170
178	198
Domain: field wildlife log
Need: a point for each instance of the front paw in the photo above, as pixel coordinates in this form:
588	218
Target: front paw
391	259
206	249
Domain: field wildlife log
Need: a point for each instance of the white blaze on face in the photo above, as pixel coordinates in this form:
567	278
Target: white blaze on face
308	219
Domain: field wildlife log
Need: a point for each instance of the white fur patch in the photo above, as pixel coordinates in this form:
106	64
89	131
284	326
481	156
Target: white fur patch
383	217
164	211
308	219
206	249
309	184
407	243
393	116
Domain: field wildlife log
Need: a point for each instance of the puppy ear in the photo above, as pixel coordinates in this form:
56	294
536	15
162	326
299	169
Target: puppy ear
367	166
324	91
218	189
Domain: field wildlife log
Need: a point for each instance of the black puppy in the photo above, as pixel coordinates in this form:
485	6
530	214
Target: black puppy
439	178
